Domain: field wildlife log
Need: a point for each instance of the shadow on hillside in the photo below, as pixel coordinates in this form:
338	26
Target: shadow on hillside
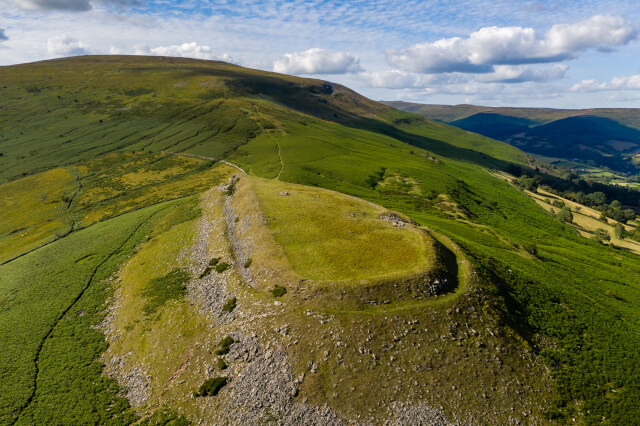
436	146
449	266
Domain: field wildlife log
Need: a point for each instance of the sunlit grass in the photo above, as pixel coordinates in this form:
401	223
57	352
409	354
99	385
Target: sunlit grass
34	210
332	237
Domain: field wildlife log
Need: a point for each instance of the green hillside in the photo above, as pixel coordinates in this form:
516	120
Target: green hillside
363	264
85	107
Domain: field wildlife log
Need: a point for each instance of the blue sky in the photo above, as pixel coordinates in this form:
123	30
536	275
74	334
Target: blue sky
569	54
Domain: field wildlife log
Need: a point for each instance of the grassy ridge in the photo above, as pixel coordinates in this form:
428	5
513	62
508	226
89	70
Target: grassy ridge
69	111
174	344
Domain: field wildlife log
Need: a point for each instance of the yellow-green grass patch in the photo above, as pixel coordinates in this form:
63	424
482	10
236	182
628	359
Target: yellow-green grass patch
328	236
145	176
111	196
401	183
33	210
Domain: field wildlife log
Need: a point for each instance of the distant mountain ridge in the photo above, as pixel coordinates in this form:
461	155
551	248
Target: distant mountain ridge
600	137
447	113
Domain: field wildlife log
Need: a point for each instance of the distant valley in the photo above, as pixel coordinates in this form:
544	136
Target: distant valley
592	138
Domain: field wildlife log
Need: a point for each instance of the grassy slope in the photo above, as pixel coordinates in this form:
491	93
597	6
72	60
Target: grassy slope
327	136
49	205
49	351
83	107
109	186
34	210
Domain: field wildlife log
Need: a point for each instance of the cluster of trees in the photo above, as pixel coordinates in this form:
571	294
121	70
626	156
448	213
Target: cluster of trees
530	183
598	200
571	182
621	232
601	235
616	212
564	214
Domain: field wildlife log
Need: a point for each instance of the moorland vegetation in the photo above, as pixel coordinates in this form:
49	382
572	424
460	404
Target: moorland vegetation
90	151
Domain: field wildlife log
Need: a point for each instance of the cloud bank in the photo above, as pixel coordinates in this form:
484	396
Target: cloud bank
317	61
66	46
521	74
631	82
184	50
398	79
512	46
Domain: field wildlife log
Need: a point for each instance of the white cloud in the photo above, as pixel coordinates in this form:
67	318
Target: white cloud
185	50
631	82
521	74
512	46
599	32
66	46
317	61
398	79
70	5
475	92
622	98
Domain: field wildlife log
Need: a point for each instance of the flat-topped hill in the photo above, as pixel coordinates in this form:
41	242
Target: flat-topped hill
329	236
